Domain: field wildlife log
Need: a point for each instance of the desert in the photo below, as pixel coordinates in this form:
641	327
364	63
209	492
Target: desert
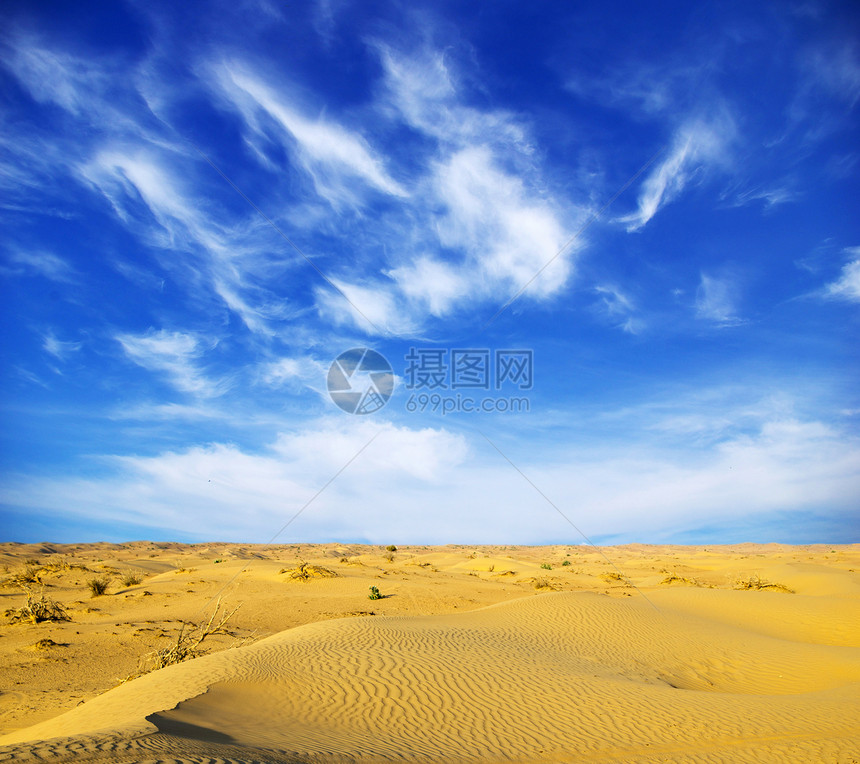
636	653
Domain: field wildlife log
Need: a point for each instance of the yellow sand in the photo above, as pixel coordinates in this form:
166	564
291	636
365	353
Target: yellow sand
461	663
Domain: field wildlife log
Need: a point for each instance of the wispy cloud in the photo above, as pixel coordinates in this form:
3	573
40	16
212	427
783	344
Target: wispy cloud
619	308
333	156
289	371
231	262
648	88
770	196
43	263
60	349
56	77
176	355
717	300
847	286
480	223
834	69
697	146
373	307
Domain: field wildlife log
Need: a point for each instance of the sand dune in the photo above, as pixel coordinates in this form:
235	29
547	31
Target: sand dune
690	674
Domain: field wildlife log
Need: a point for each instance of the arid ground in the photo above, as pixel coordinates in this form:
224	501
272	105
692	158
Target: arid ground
746	653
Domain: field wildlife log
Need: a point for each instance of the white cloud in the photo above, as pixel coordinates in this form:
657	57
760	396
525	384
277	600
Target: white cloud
770	196
303	370
422	87
210	482
374	308
504	230
619	308
56	77
174	354
333	155
716	300
432	485
697	145
130	174
434	284
496	236
46	264
652	89
847	286
231	262
60	349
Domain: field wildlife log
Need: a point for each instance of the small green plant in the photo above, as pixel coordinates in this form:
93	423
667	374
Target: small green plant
391	548
546	566
565	563
218	560
374	594
98	586
131	579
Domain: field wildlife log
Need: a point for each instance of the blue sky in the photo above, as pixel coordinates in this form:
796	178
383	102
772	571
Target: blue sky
205	203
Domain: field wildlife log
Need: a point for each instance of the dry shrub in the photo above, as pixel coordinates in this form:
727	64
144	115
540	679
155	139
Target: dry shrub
56	565
131	578
47	644
542	583
98	586
757	583
29	574
614	578
189	639
675	579
305	572
38	610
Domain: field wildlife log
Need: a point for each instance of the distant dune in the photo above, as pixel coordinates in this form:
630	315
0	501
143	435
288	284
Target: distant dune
474	654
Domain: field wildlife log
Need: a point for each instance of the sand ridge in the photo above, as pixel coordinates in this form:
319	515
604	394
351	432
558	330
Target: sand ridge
709	674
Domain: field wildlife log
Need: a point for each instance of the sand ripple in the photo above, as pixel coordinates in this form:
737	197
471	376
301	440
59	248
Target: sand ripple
555	677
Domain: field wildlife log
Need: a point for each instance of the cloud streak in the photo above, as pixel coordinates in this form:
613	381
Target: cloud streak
697	146
176	356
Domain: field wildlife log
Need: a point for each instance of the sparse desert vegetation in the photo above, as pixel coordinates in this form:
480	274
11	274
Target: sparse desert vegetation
305	572
673	579
131	579
38	610
614	577
98	585
188	641
756	583
135	631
